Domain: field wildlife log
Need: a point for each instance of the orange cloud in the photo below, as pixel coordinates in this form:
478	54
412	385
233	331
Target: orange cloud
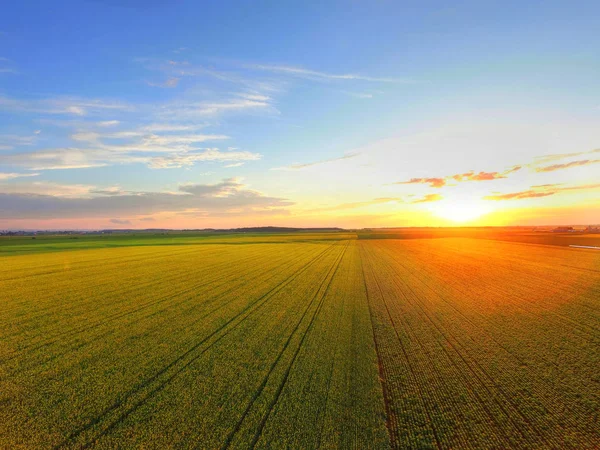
552	168
433	182
429	198
535	192
460	177
519	195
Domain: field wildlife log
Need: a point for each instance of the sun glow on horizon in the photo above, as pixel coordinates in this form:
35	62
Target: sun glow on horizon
461	211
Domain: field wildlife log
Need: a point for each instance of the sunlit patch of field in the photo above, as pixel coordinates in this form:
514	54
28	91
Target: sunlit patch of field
299	341
487	344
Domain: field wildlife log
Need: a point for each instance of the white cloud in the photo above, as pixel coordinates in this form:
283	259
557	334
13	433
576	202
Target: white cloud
108	123
47	189
316	75
9	141
12	175
315	163
211	154
62	105
170	82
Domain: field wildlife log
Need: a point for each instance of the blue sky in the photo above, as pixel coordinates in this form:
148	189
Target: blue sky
189	114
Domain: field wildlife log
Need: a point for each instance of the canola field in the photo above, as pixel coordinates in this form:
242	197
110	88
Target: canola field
302	340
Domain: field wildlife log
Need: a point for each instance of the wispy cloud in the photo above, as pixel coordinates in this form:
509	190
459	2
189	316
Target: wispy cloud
79	158
62	105
12	175
10	141
438	182
171	82
567	165
433	182
210	154
319	75
192	110
7	66
316	163
519	195
47	188
558	156
543	190
361	95
108	123
428	198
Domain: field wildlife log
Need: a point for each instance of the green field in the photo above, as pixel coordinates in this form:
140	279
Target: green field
298	340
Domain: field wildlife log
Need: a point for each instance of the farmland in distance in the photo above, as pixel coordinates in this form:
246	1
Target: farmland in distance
300	340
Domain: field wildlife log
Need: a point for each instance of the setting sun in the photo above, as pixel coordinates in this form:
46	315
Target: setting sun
460	211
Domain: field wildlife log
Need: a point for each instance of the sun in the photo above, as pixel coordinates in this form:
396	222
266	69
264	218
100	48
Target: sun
460	211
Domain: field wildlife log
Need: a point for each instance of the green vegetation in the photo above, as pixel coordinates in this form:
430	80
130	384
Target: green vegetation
297	340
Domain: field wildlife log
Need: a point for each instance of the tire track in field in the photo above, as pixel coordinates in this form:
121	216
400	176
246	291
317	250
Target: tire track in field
263	384
391	427
104	320
289	369
340	314
140	387
411	368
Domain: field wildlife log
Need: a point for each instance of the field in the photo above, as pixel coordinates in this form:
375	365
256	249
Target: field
299	340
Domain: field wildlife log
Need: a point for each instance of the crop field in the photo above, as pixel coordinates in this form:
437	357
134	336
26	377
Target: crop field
300	340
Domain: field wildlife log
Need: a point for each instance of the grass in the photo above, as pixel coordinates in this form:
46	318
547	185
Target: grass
298	340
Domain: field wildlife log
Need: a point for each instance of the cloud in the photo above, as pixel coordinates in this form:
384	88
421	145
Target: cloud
361	95
433	182
59	158
156	145
315	163
484	176
77	158
210	154
439	182
120	221
568	165
239	164
519	195
10	141
47	188
171	82
6	66
10	176
316	75
428	198
542	190
558	156
229	197
178	69
62	105
108	123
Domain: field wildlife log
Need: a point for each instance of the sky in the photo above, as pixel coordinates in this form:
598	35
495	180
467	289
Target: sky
187	114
